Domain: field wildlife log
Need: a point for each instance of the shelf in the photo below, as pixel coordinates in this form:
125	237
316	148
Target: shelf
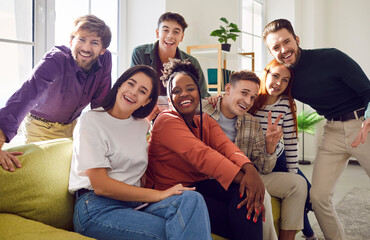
214	50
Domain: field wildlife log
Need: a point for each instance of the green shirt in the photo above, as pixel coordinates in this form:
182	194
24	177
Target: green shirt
330	82
146	55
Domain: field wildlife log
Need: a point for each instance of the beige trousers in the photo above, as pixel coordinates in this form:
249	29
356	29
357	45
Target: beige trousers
331	159
292	190
36	130
269	232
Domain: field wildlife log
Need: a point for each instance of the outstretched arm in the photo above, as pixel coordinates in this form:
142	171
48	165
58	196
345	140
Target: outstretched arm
104	185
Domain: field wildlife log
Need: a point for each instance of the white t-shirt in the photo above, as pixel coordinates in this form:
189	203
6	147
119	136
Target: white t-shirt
102	141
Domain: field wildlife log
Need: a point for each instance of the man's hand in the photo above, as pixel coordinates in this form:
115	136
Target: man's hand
7	159
273	133
362	134
252	185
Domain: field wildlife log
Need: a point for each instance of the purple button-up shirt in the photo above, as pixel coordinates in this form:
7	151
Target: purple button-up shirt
57	90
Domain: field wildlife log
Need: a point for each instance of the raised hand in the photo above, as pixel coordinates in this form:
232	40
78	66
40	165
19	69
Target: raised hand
273	133
362	134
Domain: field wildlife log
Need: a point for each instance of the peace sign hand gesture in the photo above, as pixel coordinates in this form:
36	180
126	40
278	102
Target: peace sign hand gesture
273	133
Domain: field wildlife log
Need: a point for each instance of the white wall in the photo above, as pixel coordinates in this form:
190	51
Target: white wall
142	17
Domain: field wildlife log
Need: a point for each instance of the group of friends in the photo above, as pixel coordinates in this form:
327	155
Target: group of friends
211	163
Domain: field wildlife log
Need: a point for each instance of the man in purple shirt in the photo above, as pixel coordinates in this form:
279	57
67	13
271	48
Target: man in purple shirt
62	84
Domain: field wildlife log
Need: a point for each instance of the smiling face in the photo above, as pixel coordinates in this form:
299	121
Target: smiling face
86	48
131	95
238	99
284	47
170	34
277	80
184	94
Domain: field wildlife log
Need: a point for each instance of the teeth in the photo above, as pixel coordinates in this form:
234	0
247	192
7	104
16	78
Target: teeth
287	56
84	55
170	42
129	99
242	106
185	102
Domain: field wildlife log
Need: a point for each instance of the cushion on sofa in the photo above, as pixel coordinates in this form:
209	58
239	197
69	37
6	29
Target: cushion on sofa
18	228
39	189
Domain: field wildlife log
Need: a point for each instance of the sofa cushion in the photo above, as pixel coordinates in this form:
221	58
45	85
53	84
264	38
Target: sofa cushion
18	228
39	189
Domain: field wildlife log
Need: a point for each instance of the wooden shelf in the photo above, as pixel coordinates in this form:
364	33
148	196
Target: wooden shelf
212	50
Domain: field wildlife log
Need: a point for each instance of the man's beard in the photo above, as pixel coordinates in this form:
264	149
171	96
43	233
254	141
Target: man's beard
291	65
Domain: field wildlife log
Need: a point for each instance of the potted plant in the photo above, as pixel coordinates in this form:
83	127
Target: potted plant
224	33
306	122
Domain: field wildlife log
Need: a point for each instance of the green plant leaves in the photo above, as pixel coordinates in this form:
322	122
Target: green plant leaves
227	32
307	121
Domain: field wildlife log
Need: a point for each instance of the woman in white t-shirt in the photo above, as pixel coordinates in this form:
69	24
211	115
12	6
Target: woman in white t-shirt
108	165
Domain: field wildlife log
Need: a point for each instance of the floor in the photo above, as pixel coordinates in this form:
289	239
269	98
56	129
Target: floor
353	176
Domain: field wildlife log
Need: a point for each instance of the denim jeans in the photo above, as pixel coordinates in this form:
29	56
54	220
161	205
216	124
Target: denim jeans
182	216
280	166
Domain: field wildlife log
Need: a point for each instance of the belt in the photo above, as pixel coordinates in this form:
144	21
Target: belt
44	120
349	116
81	192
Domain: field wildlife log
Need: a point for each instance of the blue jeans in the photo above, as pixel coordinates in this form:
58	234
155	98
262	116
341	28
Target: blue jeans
280	166
182	216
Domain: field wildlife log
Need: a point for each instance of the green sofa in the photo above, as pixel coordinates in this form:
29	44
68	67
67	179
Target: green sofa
34	200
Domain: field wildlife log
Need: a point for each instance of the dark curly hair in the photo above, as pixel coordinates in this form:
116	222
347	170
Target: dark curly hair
175	67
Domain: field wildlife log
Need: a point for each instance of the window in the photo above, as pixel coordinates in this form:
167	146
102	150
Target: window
16	45
252	27
106	10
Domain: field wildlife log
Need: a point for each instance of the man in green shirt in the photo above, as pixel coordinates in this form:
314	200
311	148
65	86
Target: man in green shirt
170	33
335	86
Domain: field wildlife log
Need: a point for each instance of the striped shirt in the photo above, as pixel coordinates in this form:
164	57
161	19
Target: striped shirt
289	142
249	138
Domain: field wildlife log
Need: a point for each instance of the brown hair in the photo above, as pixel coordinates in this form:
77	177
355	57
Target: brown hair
93	24
262	94
277	25
170	16
244	75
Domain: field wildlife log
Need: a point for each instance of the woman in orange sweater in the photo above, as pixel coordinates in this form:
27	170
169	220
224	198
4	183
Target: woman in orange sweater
193	150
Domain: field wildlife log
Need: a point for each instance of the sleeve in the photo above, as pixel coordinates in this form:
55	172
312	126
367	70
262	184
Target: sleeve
207	160
353	76
367	112
290	141
89	148
25	98
135	57
264	162
105	81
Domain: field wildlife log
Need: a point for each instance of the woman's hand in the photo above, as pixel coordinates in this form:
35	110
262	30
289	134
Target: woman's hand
213	100
252	185
175	190
273	133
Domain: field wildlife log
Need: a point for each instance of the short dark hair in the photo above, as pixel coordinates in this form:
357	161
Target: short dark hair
170	16
244	75
93	24
141	112
277	25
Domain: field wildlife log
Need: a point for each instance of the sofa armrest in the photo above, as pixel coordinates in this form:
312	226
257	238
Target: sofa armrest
18	228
